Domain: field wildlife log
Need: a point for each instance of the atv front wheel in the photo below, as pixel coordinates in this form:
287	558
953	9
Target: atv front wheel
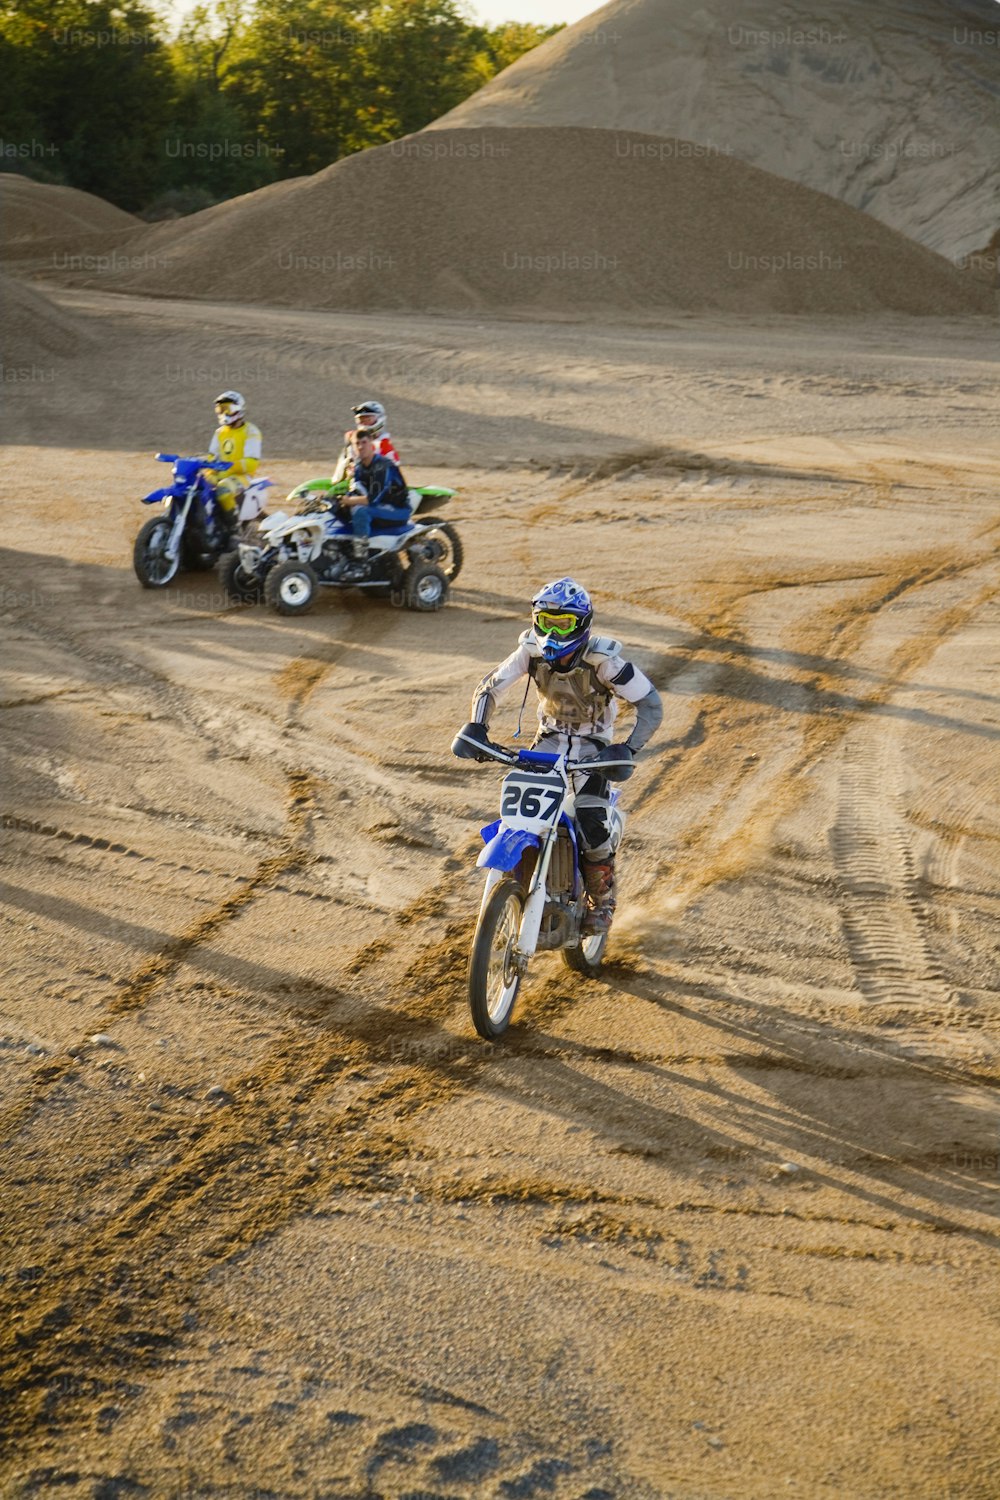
425	587
290	588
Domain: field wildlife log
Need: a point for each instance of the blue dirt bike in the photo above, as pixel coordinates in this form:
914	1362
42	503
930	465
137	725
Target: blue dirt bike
192	532
534	895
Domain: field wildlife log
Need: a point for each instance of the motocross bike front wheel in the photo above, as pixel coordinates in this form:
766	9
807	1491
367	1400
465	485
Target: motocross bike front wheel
448	539
290	588
153	568
425	587
240	586
587	957
493	979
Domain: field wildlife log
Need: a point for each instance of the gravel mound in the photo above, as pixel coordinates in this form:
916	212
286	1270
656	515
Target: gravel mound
550	222
31	325
36	211
891	108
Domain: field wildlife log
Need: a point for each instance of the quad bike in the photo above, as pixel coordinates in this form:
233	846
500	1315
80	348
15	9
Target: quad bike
534	895
423	499
293	556
193	530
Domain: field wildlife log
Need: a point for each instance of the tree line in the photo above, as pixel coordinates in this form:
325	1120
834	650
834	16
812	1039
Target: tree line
99	95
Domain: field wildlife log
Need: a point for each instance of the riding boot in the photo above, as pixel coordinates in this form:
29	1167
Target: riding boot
599	885
357	568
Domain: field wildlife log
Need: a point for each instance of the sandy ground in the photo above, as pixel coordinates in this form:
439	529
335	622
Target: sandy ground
720	1224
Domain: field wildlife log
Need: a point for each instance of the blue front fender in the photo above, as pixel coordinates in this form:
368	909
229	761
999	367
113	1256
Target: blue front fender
504	846
158	495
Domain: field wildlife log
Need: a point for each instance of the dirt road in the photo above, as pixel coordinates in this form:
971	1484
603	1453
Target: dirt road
722	1223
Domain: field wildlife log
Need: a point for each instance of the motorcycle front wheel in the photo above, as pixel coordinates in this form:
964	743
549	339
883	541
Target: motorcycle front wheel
493	980
153	568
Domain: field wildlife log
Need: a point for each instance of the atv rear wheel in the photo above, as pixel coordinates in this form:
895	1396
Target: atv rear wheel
153	568
242	587
290	588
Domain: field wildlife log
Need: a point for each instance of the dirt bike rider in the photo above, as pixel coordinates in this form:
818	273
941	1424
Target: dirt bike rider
580	680
378	493
370	415
239	441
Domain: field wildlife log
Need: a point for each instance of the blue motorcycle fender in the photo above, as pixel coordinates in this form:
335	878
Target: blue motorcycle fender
504	846
158	495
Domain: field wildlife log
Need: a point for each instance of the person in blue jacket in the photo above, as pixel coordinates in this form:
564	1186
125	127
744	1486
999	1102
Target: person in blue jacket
378	495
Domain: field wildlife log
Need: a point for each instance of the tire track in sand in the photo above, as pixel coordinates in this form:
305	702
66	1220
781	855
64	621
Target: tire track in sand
883	917
706	758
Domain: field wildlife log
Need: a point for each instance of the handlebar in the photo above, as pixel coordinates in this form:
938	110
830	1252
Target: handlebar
539	758
207	463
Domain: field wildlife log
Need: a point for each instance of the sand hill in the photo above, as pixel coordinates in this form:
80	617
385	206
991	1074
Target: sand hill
36	211
541	222
890	107
31	324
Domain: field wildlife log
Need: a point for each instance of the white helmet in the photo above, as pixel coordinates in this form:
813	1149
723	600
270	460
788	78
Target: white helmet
230	409
371	414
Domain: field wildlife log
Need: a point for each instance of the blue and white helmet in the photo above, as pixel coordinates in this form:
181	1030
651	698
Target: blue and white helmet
561	616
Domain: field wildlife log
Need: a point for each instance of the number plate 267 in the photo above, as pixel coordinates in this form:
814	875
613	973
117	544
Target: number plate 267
531	801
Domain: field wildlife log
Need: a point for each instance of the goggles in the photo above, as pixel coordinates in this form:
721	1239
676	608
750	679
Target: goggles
556	624
226	408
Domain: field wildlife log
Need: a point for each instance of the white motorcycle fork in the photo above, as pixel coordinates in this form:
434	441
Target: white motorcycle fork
531	917
177	530
534	907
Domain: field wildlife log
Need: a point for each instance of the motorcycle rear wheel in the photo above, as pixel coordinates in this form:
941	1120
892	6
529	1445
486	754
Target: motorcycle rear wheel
586	959
153	568
493	981
450	561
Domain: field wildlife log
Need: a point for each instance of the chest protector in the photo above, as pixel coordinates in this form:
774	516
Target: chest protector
575	702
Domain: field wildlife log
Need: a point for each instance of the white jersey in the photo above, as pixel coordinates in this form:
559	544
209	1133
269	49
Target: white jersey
584	701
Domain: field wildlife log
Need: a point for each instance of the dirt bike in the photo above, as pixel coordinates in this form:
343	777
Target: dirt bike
291	557
534	894
193	532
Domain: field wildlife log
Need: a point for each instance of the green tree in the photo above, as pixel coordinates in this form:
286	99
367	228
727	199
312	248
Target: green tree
211	148
510	40
248	91
301	71
93	80
424	56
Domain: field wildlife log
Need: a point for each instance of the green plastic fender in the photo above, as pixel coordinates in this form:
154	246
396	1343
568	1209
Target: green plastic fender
325	486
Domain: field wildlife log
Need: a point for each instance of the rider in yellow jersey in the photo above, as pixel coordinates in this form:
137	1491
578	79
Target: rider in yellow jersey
238	441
